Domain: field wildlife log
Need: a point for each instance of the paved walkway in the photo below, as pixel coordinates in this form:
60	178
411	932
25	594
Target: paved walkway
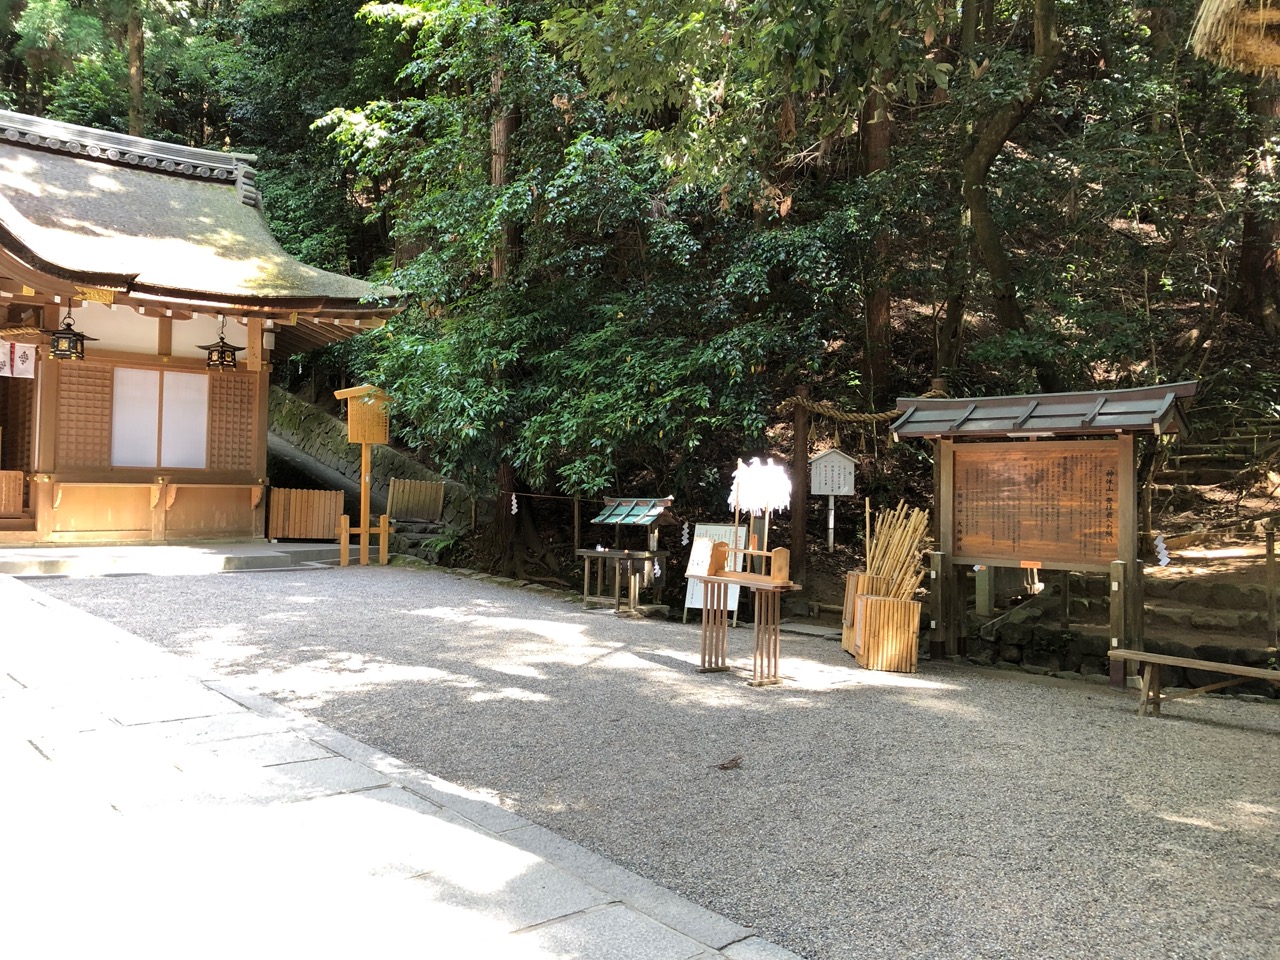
150	812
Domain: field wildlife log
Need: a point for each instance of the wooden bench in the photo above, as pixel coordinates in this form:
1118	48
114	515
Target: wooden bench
1149	695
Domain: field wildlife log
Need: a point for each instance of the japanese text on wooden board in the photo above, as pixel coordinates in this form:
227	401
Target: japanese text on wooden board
1055	502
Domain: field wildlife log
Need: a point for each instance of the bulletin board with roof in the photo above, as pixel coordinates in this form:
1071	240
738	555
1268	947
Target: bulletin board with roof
1040	482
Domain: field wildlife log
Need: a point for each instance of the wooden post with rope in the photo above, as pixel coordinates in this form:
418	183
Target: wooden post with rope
799	487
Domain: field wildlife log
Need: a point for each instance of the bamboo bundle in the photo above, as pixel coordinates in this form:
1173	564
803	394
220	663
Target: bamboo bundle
893	552
1239	34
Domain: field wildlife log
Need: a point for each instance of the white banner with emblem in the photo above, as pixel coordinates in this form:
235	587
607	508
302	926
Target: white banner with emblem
17	359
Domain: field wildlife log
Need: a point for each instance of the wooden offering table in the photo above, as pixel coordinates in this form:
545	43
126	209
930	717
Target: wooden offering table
639	571
766	591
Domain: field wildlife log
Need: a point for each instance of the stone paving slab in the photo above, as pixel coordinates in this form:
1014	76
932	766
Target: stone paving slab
197	819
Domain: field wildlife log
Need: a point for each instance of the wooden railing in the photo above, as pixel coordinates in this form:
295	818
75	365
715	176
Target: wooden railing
304	514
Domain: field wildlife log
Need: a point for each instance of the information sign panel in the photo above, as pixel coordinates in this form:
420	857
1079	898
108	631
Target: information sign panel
1055	502
704	535
831	474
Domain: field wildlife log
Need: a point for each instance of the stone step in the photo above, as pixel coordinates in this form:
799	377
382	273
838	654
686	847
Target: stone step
1197	477
1211	457
1248	622
1213	594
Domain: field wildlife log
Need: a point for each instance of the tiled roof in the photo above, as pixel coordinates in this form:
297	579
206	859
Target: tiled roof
634	512
154	219
1139	410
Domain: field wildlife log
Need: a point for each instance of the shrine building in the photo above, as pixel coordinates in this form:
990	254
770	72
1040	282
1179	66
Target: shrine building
142	298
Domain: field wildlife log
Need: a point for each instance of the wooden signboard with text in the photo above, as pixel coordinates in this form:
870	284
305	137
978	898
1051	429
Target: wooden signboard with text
1058	504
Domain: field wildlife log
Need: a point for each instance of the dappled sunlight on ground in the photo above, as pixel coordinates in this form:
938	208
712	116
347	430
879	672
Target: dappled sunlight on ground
813	675
316	681
1236	815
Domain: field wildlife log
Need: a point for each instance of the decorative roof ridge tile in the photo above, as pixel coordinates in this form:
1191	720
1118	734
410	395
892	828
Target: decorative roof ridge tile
119	148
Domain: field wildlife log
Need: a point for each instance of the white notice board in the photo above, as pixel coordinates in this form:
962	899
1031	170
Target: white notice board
704	535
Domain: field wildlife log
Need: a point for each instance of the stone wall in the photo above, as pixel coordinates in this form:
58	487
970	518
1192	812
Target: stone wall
1031	638
324	438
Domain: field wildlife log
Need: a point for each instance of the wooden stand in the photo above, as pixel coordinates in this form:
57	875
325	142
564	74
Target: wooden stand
345	530
367	423
766	588
639	573
715	626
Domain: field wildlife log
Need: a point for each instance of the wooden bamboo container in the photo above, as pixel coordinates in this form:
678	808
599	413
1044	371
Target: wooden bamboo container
886	634
855	585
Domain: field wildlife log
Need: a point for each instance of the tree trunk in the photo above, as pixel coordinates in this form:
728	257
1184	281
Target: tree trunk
800	490
1256	295
504	125
500	132
990	137
136	115
949	331
876	131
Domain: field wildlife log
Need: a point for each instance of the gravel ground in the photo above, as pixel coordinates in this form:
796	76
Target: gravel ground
952	813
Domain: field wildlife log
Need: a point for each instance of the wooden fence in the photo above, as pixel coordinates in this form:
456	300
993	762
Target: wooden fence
415	499
304	514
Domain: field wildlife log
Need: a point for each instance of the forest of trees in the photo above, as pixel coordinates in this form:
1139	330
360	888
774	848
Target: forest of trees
630	229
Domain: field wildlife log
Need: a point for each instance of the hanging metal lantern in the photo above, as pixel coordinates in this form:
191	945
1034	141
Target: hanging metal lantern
222	355
67	343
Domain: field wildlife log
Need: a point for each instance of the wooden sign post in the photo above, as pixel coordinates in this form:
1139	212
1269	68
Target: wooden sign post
831	475
368	422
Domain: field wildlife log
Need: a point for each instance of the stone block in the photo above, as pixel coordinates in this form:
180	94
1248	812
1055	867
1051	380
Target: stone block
1010	653
1192	591
1173	648
1226	596
613	933
1095	666
1025	614
1048	636
1013	633
1040	659
1088	645
982	652
1224	620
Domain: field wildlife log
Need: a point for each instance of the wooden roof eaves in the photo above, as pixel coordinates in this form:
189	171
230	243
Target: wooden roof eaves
928	418
17	260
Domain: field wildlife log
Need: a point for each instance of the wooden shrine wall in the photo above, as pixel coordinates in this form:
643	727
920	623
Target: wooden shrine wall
1063	504
16	416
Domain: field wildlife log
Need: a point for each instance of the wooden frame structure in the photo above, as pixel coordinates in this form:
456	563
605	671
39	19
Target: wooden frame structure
766	591
1040	482
148	248
368	423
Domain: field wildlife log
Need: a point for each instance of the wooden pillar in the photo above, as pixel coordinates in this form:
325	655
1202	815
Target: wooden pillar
1271	590
1127	618
984	599
261	423
366	468
799	487
253	356
44	436
946	607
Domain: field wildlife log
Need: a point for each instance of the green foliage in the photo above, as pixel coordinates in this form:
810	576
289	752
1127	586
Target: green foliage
737	87
92	95
686	227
